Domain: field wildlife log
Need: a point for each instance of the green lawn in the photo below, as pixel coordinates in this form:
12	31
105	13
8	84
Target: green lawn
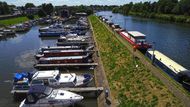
131	83
13	21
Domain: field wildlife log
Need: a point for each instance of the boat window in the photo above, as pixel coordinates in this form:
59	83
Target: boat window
57	77
37	82
41	95
140	41
48	91
30	99
52	80
75	80
186	80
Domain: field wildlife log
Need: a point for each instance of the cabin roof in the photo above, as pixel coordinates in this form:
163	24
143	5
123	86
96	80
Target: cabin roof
45	74
175	67
136	34
62	51
67	77
62	58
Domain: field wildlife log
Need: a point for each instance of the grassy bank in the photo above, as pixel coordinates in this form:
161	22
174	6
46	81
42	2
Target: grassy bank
166	17
13	21
131	83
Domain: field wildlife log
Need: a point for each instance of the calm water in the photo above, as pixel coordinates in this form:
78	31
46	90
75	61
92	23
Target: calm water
171	39
17	54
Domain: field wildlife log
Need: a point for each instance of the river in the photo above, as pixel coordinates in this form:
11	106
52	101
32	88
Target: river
17	54
172	39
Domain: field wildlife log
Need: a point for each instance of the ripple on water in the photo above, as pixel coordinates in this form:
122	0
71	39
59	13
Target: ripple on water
26	59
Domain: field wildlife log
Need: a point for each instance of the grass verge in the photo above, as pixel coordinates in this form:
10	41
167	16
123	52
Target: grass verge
16	20
131	83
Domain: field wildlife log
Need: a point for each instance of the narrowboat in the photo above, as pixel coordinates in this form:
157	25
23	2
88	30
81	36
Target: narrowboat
73	38
54	27
43	96
71	47
175	70
58	53
67	59
136	39
52	33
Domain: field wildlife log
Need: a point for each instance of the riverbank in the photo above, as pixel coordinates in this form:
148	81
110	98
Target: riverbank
143	89
165	17
12	21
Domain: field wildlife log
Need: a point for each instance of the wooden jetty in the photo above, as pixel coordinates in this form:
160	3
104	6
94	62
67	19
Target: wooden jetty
73	43
77	90
65	65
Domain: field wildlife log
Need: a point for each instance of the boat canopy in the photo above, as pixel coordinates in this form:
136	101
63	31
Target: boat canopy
40	89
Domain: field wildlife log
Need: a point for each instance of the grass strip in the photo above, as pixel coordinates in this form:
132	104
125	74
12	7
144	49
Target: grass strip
131	83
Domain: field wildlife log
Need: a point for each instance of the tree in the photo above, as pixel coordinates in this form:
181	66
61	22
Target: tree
4	8
41	13
185	6
29	5
47	8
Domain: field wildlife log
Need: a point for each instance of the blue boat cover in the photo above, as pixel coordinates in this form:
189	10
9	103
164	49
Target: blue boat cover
20	76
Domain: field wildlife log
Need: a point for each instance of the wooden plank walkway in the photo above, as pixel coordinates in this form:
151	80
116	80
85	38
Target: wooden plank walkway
77	90
73	43
66	65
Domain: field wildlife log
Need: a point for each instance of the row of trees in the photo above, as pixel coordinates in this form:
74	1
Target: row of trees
181	7
4	8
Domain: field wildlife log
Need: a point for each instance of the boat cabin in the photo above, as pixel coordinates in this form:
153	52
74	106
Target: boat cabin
137	37
54	78
36	93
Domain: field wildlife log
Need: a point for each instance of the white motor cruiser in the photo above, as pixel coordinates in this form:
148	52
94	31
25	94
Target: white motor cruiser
43	96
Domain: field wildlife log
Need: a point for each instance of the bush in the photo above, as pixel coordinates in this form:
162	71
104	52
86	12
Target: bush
31	17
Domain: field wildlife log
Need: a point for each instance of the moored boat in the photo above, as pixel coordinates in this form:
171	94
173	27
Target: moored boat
136	39
58	53
67	59
171	67
43	96
71	47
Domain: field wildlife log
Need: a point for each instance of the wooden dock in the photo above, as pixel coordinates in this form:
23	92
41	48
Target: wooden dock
73	43
77	90
65	65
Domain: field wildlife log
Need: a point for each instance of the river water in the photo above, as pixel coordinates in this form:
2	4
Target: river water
170	38
17	54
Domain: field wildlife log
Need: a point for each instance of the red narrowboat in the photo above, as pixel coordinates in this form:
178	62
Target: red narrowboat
137	39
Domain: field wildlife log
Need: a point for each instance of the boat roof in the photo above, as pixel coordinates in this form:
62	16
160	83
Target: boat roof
136	34
124	33
62	51
45	74
174	66
67	77
59	47
62	58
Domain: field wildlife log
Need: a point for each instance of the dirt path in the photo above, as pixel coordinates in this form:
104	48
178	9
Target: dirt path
170	84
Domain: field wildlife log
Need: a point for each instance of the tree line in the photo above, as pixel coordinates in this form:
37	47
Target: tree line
172	10
4	8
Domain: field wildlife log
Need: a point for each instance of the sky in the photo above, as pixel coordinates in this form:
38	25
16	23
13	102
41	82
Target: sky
72	2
